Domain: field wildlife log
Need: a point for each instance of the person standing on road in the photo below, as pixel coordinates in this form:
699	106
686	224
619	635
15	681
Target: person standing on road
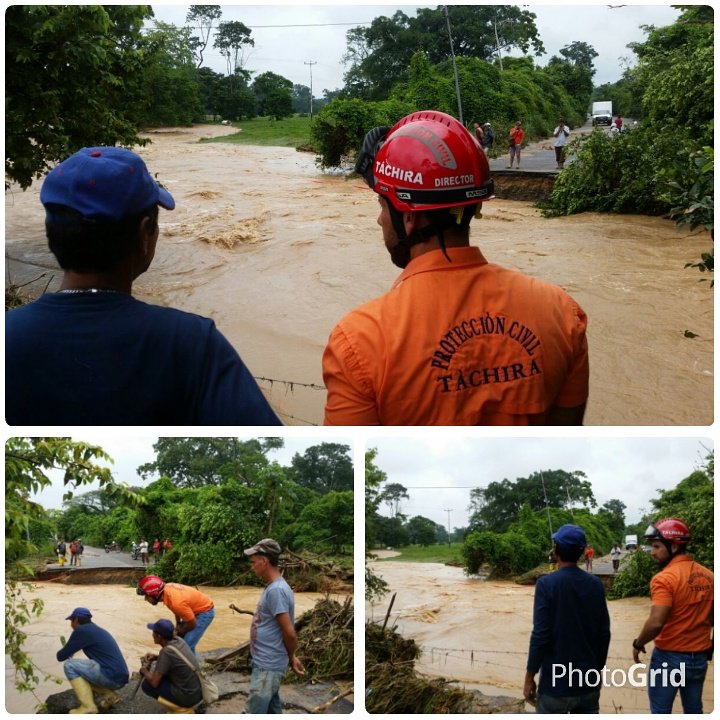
488	138
273	641
571	628
680	621
479	133
561	133
619	123
517	135
104	670
589	555
144	551
156	549
615	555
73	552
80	551
193	610
457	340
172	682
91	354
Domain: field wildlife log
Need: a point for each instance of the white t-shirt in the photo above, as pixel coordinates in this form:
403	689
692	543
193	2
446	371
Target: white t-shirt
562	138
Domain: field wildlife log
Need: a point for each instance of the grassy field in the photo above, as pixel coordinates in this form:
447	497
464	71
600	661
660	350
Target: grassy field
290	132
432	553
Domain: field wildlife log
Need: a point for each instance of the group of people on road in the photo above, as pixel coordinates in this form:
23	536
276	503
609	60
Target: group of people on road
489	345
571	627
171	675
76	549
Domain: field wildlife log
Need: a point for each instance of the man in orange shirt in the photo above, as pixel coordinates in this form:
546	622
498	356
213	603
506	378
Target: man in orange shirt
680	622
517	135
193	610
457	340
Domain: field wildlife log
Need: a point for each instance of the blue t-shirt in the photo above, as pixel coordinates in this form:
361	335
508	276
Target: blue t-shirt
571	624
267	648
109	359
98	645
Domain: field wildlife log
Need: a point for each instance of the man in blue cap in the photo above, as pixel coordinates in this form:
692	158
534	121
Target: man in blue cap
571	633
174	682
104	670
91	354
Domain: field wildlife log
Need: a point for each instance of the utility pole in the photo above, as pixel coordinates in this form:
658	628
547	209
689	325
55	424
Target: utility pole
311	63
452	52
448	511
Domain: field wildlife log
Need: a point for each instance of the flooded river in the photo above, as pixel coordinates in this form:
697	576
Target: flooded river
122	612
276	252
477	631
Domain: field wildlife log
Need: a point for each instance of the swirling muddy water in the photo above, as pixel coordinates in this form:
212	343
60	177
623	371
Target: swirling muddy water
119	610
276	252
477	632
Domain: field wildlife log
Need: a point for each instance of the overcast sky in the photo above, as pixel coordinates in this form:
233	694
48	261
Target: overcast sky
439	473
130	453
288	36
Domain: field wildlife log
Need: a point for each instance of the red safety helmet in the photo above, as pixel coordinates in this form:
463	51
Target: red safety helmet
150	585
426	161
669	530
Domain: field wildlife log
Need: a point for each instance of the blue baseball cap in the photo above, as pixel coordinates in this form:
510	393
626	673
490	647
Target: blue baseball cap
570	536
162	627
79	612
104	183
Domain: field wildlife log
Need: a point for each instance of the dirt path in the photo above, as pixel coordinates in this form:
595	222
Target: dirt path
276	252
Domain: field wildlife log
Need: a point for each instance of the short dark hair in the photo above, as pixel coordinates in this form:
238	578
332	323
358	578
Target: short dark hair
569	554
83	620
86	245
272	559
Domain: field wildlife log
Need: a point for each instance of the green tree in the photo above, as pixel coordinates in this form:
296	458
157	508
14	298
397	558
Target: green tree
375	586
327	522
203	17
613	512
422	531
231	40
27	464
323	467
392	495
274	95
301	99
72	79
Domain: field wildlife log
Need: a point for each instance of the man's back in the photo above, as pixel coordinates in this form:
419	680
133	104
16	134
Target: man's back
571	625
108	359
457	343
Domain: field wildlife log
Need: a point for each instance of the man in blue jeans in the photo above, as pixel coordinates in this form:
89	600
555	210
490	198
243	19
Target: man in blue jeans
680	621
272	634
571	633
104	670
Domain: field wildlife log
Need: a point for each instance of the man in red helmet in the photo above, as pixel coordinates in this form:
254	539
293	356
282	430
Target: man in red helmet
193	610
457	340
680	621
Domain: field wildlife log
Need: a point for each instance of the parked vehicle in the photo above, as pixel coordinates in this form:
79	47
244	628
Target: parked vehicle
602	113
111	547
631	542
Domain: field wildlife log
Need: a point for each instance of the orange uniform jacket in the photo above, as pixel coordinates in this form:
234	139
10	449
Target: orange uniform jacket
457	343
687	588
185	602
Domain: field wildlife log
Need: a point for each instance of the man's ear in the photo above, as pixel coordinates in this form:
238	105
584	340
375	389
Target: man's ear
410	219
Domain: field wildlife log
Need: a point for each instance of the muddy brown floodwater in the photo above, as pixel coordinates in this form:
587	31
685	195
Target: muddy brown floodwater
276	252
477	632
119	610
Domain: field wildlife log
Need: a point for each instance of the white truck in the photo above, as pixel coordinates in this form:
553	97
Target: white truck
631	542
602	113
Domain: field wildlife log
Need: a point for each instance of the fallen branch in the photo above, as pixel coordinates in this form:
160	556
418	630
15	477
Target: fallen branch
326	705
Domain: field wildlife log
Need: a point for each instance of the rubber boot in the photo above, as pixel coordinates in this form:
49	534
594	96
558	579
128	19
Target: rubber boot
84	692
107	698
173	708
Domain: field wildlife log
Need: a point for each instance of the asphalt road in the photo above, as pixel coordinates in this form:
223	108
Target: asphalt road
97	558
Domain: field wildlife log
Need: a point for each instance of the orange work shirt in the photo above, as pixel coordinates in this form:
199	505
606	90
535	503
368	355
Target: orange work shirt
185	602
687	588
457	343
589	553
517	134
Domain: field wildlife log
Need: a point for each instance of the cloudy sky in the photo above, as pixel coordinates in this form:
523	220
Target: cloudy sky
288	36
440	472
130	452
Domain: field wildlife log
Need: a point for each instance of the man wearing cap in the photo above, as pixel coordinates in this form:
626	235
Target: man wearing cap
272	634
173	681
680	622
571	632
193	610
104	670
91	354
457	340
